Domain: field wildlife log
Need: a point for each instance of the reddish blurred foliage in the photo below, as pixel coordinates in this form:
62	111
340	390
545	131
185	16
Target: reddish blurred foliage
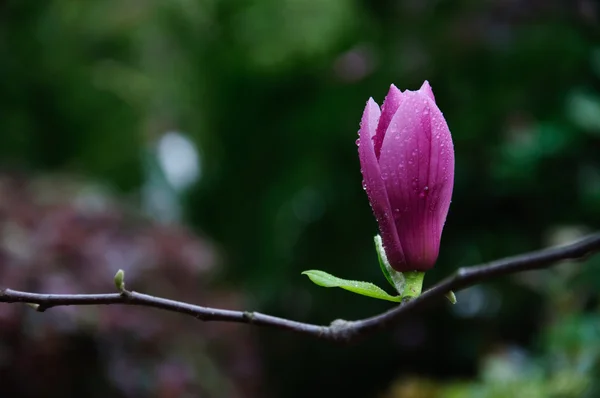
58	235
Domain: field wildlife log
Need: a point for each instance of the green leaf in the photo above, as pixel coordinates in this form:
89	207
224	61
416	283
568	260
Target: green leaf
383	260
324	279
120	280
395	278
451	296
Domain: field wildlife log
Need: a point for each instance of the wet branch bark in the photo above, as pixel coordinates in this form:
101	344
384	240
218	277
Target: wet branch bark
338	330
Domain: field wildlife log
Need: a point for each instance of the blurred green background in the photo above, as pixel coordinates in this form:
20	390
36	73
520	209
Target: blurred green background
207	147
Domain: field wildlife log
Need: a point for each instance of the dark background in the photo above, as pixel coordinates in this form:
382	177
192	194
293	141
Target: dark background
208	148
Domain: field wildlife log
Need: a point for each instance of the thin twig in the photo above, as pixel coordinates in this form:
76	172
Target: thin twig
338	330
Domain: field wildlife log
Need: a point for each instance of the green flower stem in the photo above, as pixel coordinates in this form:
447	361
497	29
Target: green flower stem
413	284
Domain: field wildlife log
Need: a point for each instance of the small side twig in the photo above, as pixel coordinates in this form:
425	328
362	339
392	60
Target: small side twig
338	330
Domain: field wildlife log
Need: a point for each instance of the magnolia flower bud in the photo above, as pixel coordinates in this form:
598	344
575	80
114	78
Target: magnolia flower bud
407	162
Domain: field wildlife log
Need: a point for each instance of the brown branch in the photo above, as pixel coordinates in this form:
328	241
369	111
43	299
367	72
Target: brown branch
338	330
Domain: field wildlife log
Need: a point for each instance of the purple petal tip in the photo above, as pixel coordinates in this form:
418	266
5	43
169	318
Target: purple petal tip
426	89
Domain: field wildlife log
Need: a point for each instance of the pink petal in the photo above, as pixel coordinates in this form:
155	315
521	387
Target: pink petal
417	166
374	185
426	90
390	104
